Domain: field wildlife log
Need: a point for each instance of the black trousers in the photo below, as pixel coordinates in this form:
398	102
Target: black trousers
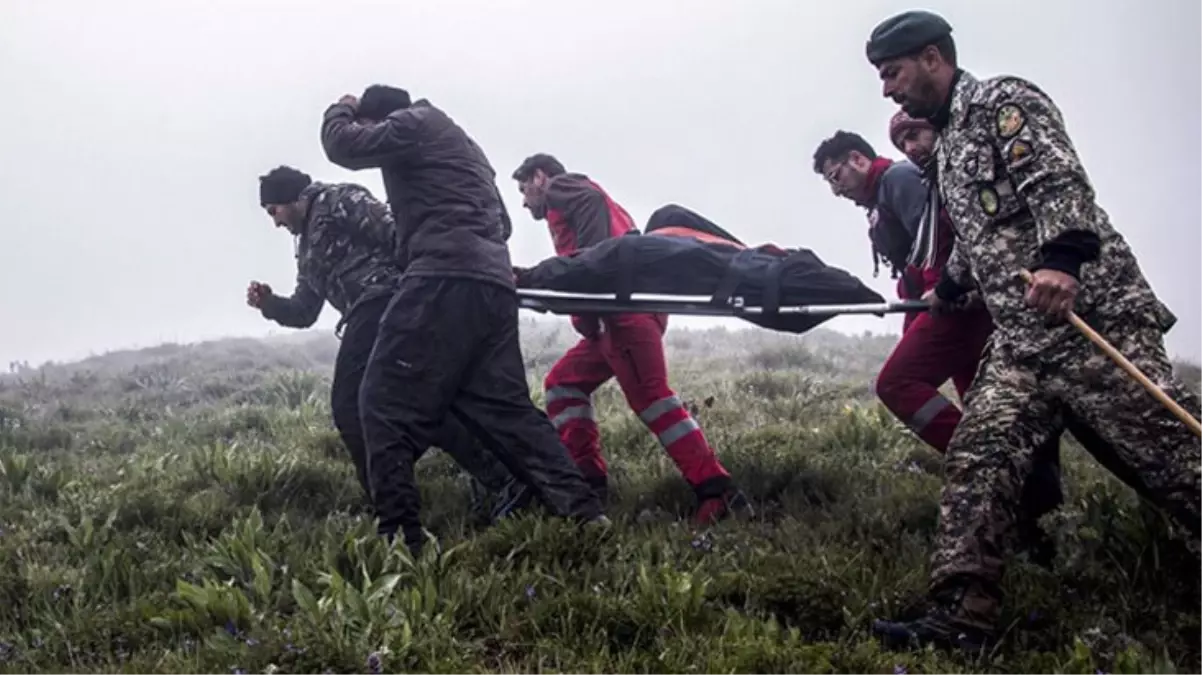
448	347
358	340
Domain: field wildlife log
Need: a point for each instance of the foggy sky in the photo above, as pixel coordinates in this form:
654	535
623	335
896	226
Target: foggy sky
132	133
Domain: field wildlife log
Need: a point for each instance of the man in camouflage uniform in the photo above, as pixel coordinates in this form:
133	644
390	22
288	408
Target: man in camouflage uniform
1019	198
345	256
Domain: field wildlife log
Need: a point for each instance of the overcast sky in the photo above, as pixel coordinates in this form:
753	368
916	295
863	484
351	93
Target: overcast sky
132	133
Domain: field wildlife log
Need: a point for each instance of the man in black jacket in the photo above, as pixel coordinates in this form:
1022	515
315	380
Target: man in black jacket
448	340
344	256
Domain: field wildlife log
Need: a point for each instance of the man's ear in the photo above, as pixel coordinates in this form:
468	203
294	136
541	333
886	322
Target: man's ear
929	58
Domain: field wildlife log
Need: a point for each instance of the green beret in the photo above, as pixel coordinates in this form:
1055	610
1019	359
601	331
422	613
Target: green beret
905	34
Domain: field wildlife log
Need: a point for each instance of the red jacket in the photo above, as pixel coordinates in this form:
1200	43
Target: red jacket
580	214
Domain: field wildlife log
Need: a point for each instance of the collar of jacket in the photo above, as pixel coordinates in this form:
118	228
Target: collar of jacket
872	181
961	80
306	198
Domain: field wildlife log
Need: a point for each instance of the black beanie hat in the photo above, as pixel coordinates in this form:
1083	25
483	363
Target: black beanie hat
380	101
282	185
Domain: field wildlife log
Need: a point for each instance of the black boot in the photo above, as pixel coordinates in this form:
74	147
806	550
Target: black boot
718	499
513	499
956	621
936	628
1038	544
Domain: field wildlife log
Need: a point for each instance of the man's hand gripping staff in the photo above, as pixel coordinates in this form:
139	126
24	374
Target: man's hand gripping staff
1049	292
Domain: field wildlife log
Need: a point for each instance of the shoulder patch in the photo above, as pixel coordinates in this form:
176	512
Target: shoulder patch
1010	120
1019	151
970	166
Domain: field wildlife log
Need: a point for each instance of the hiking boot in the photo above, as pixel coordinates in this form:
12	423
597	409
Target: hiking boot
600	521
414	543
1038	544
956	620
714	509
936	628
514	498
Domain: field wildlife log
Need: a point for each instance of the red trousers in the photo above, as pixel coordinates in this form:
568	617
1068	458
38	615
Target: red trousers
629	347
932	350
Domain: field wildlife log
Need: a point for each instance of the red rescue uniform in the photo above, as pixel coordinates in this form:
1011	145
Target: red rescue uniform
628	347
932	349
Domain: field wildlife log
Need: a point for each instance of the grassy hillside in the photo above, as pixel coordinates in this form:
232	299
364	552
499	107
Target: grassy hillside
190	509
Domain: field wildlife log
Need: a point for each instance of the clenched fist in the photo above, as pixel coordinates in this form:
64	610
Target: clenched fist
1052	292
256	292
936	304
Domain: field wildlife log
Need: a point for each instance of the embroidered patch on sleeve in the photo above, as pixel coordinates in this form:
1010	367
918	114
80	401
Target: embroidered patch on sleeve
1019	151
1009	120
988	199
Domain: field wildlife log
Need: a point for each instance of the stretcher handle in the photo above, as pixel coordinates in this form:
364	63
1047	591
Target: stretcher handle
1126	365
544	300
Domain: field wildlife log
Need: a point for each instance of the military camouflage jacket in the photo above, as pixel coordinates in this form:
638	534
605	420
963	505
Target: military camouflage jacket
1018	196
345	253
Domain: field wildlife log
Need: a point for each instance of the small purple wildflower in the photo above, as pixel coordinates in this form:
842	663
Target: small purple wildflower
900	669
530	592
230	627
375	664
238	671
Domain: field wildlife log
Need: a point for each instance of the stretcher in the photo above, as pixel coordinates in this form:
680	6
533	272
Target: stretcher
687	265
557	302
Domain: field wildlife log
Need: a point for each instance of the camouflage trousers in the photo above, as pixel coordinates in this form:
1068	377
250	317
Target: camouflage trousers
1015	407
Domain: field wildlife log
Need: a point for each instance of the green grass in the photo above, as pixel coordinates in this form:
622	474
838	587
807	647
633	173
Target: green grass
190	509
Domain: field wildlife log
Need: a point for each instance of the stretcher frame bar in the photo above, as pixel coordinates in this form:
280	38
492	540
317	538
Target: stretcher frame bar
558	302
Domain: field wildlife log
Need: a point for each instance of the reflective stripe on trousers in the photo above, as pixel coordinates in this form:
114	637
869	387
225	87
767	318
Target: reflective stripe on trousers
578	404
927	412
675	431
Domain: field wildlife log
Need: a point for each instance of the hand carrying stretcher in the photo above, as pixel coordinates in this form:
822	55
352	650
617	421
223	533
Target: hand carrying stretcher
685	264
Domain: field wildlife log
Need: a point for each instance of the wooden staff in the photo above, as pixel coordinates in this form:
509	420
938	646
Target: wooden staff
1126	365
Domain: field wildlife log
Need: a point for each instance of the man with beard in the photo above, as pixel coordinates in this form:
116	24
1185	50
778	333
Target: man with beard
1019	198
344	256
628	347
448	339
912	234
